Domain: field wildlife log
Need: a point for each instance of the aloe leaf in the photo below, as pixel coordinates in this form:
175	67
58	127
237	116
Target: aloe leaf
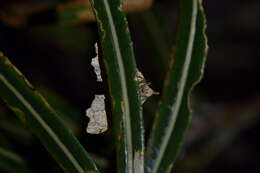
185	72
11	162
32	109
121	71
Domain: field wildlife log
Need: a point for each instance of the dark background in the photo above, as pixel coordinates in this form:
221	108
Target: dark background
223	136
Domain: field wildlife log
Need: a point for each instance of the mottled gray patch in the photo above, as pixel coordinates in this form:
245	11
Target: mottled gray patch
138	162
97	116
95	64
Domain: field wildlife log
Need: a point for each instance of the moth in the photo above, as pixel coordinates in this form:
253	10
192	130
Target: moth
144	89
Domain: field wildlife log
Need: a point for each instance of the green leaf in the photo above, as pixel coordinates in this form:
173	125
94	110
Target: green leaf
121	71
185	72
10	162
32	109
